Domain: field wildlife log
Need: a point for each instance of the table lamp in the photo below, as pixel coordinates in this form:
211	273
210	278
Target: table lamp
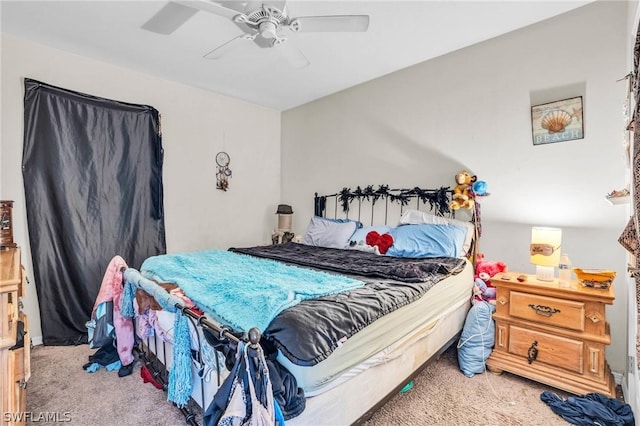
285	214
283	232
545	251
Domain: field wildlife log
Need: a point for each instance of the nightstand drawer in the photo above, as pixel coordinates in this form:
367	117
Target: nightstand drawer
556	351
547	310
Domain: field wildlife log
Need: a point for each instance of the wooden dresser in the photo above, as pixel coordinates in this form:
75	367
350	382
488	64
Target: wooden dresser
14	361
551	334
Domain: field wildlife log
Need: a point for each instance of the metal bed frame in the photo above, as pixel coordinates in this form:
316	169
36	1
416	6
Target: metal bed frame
438	200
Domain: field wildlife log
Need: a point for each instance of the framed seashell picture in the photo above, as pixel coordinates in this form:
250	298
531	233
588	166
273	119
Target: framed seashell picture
557	121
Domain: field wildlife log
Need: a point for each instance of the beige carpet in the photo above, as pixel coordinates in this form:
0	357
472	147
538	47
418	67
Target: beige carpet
441	396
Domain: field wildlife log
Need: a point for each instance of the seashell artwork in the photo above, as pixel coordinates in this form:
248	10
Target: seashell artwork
555	121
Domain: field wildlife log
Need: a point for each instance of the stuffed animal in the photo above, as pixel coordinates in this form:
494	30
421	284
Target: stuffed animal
461	193
479	188
382	242
482	289
485	270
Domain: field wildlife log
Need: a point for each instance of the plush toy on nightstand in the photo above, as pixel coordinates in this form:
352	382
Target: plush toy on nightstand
461	197
485	270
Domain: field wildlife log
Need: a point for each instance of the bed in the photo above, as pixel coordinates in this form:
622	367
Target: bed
353	345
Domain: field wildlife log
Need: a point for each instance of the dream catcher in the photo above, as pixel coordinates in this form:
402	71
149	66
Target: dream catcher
224	172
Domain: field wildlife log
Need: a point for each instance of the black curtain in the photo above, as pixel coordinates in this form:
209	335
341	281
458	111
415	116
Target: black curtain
92	172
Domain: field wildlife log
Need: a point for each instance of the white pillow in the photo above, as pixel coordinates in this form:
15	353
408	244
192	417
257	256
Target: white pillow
327	233
416	217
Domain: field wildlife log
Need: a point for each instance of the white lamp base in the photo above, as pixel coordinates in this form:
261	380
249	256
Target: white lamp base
544	273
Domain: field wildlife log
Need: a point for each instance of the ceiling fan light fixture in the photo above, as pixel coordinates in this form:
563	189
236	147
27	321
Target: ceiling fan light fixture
294	25
268	29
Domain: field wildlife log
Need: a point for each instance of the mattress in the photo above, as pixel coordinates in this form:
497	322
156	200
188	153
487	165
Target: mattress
373	344
358	395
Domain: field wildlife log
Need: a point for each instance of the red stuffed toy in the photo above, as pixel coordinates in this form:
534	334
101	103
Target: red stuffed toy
383	242
485	270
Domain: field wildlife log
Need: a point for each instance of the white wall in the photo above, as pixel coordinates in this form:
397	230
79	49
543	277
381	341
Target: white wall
195	126
471	110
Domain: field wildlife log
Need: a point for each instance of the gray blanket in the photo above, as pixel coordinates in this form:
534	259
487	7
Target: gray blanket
357	262
310	331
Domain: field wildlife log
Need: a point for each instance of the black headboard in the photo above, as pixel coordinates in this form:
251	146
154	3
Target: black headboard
383	205
437	200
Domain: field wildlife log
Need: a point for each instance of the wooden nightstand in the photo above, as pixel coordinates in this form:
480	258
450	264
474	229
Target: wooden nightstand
551	334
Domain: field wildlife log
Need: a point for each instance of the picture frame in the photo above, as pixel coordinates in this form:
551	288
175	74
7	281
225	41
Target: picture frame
557	121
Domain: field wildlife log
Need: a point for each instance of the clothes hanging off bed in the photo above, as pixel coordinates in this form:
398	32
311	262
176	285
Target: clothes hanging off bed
246	396
180	384
111	291
289	397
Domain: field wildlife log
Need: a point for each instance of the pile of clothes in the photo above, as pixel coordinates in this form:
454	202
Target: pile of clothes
590	409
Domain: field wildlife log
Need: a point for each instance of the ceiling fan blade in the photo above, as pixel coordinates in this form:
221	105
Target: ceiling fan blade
217	8
257	4
337	23
169	18
292	55
238	6
278	4
221	50
175	13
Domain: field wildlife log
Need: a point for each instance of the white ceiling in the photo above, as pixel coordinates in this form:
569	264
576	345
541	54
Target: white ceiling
400	34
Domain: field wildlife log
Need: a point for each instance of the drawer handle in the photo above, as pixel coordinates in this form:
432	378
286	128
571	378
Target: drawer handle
532	353
545	311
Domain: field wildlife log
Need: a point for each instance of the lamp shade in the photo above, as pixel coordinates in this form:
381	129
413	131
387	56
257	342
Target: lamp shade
285	214
284	222
545	246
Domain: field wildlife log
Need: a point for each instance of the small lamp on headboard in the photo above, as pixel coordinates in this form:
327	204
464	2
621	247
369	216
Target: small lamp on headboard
545	251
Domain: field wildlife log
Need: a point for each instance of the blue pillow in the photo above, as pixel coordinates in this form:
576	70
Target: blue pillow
477	339
427	240
322	232
357	222
361	234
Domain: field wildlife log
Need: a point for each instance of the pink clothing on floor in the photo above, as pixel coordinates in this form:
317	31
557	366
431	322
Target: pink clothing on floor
111	289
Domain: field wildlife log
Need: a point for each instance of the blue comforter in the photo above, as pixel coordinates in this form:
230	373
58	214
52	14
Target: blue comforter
243	291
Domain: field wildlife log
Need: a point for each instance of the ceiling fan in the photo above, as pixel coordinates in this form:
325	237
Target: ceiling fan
263	23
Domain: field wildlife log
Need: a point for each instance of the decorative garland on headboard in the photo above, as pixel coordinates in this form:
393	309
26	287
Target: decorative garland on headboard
438	199
439	202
